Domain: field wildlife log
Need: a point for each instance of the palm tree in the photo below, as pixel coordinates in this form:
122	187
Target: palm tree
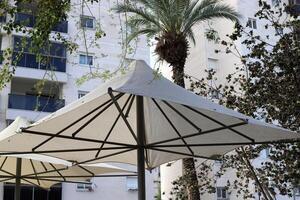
171	23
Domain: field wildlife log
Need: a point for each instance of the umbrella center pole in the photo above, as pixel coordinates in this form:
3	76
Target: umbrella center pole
18	179
140	119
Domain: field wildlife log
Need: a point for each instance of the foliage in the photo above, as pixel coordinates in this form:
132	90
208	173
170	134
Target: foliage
47	14
265	86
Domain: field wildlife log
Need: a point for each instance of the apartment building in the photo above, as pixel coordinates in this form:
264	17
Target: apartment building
21	98
203	57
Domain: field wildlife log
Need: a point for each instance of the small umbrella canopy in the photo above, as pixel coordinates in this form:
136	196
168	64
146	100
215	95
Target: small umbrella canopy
102	125
45	171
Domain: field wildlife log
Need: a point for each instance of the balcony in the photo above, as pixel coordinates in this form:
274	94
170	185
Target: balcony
47	62
34	103
25	19
29	21
53	55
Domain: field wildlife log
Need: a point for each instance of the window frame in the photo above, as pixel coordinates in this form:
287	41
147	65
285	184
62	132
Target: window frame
82	93
86	59
87	17
251	23
222	190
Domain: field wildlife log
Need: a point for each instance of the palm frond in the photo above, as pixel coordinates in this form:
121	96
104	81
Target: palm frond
160	17
149	32
191	36
123	8
210	9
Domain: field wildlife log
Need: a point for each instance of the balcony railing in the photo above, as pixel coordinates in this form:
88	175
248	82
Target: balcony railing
34	103
29	21
46	63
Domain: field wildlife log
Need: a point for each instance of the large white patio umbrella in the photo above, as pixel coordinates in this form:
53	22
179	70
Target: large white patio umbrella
142	118
45	171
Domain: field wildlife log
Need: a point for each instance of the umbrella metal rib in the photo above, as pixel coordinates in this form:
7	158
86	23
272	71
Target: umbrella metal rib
65	150
182	116
110	92
72	124
172	125
5	159
46	172
113	126
180	153
88	171
93	118
76	138
106	156
199	133
44	166
33	168
64	179
220	123
86	176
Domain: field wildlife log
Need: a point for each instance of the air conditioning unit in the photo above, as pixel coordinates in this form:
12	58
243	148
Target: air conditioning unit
132	183
85	187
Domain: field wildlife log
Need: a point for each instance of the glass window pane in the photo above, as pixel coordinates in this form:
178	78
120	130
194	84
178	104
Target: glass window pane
31	61
87	22
82	59
90	60
254	24
219	193
59	64
57	50
223	193
19	60
90	23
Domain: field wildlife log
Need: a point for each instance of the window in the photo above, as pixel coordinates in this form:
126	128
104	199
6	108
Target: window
279	31
297	2
53	56
222	193
85	59
275	2
132	183
218	162
84	187
252	23
87	22
2	18
212	63
81	93
297	191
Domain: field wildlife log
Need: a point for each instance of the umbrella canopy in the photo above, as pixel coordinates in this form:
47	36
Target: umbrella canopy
102	125
45	171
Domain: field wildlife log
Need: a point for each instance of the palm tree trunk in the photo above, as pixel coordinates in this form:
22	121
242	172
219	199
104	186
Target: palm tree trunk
189	171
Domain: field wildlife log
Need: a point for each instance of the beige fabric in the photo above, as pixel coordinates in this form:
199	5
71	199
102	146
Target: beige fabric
141	80
44	171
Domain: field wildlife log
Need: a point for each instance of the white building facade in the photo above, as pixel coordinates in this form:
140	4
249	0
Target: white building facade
19	98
